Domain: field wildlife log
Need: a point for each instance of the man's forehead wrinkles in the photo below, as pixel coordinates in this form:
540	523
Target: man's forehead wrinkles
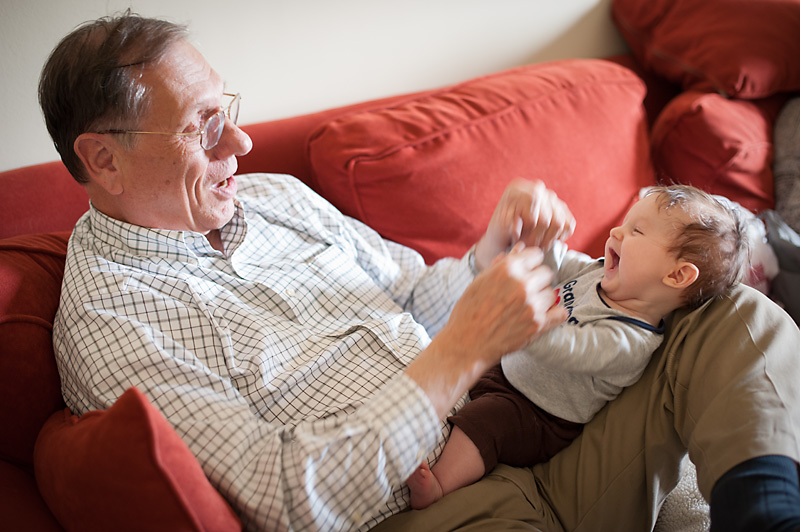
185	66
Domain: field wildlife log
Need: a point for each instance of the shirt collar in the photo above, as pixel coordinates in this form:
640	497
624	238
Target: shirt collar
184	246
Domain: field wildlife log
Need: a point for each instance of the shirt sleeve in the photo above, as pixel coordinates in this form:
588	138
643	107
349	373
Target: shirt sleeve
321	474
428	292
759	494
566	263
603	348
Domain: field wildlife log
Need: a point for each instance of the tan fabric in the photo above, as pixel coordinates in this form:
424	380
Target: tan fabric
720	386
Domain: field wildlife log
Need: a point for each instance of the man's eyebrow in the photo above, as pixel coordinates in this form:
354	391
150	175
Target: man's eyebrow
221	99
207	105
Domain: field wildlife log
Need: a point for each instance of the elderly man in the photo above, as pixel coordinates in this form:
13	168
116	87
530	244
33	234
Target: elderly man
274	333
290	346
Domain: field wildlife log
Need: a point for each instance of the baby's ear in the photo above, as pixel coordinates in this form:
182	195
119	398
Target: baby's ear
683	275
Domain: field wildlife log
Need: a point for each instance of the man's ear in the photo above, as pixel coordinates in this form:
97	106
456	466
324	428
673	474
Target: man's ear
683	275
98	154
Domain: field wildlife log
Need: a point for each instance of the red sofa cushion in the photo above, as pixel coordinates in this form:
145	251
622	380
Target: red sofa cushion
40	199
31	269
125	468
659	91
21	505
719	145
428	170
741	48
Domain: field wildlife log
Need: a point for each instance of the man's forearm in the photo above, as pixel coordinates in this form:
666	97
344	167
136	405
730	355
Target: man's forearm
444	375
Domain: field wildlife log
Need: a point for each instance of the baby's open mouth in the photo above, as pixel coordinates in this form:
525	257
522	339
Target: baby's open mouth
614	259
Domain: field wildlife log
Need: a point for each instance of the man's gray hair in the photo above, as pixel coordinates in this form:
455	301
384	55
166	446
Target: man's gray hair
92	80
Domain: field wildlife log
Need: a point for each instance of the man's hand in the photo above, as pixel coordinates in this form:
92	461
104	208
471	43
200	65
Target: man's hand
505	307
528	212
503	310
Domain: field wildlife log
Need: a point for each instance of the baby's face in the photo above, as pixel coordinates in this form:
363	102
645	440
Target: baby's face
637	255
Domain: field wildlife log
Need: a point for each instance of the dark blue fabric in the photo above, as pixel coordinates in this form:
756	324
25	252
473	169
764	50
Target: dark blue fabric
761	494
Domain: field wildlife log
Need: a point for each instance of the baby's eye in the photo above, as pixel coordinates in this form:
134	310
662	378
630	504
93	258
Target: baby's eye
637	231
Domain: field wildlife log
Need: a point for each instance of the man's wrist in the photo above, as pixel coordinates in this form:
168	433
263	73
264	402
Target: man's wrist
473	267
445	371
483	252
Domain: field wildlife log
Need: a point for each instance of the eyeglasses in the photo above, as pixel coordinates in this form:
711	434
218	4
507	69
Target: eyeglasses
210	131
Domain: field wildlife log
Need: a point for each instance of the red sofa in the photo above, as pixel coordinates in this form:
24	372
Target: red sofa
424	169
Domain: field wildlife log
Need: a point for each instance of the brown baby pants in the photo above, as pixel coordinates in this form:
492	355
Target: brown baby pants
507	427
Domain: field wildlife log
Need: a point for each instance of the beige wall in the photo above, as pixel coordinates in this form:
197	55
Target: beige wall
288	57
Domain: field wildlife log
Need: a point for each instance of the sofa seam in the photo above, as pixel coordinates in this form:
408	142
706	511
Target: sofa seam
22	318
483	119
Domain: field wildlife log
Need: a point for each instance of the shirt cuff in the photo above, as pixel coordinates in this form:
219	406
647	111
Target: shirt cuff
408	421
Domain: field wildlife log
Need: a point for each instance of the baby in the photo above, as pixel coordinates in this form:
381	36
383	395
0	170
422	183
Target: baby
677	246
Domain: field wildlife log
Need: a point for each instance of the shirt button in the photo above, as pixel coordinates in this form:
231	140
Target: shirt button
289	292
357	517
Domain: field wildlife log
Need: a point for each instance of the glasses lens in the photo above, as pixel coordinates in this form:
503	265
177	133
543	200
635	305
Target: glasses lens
233	109
213	131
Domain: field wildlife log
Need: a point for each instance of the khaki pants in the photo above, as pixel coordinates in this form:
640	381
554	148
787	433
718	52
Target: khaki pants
721	385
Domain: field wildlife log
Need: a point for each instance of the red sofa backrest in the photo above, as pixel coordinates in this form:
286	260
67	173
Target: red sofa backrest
40	199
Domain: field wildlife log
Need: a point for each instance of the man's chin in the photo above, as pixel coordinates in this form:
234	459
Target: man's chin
227	215
221	215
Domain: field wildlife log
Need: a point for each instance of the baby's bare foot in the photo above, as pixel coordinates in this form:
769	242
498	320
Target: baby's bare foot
425	489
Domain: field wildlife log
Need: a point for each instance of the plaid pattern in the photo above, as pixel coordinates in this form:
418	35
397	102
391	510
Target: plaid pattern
279	363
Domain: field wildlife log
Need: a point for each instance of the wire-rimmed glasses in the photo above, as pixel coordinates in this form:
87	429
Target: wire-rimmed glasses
209	131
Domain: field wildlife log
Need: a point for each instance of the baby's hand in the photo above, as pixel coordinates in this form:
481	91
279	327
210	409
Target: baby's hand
542	217
528	212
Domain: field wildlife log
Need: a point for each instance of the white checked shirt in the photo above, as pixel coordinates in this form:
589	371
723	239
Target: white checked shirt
279	363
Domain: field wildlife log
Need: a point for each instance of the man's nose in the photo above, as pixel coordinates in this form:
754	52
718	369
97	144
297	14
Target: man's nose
233	141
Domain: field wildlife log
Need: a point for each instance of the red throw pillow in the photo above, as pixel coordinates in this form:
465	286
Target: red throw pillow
741	48
125	469
31	269
428	170
719	145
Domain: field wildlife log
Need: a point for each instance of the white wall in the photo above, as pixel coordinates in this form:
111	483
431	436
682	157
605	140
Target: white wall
289	57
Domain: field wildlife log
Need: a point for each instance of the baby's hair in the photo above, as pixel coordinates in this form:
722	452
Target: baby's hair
713	239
